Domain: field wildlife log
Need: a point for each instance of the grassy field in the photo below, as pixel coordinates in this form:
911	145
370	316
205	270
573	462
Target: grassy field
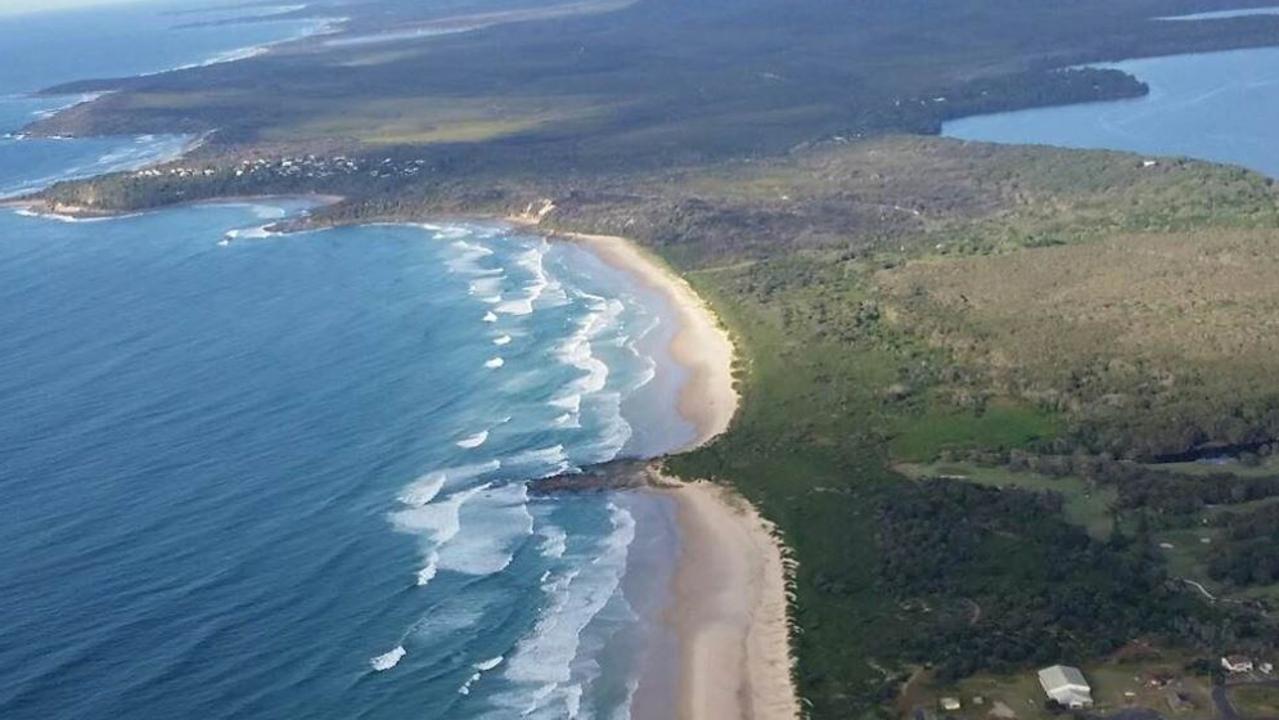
1256	701
1155	679
1001	424
1086	504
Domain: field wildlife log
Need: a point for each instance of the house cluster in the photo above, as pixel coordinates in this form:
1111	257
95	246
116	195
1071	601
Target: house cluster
310	166
302	166
183	172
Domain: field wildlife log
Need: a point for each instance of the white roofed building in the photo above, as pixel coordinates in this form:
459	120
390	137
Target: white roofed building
1237	663
1066	685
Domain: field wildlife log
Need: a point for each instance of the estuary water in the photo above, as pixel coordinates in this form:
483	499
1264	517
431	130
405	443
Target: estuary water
249	475
1222	107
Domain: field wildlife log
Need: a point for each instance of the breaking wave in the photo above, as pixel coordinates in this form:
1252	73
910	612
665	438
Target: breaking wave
543	660
388	660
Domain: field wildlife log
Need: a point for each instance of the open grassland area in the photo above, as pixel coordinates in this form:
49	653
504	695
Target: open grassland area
668	81
1158	342
1172	683
1087	504
1256	701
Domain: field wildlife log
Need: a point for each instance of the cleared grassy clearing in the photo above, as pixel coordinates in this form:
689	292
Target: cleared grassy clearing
1154	679
1256	701
427	120
1086	505
1001	425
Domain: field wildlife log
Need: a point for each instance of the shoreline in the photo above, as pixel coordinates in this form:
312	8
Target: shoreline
729	601
708	400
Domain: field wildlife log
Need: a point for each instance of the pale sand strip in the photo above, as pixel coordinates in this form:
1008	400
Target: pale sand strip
730	610
730	598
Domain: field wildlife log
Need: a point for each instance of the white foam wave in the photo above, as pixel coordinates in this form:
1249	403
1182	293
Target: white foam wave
502	340
577	351
255	233
494	363
487	286
428	571
388	660
27	212
493	525
480	669
554	542
489	664
614	431
439	521
531	260
466	255
572	403
473	441
543	661
547	461
423	490
490	317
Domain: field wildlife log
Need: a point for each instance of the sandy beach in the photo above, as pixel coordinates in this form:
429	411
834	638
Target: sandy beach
708	400
729	606
730	610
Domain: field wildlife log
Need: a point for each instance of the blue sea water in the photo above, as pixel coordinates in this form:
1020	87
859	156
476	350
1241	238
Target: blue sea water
1222	107
249	475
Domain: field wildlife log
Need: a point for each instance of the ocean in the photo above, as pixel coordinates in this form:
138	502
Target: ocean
1221	107
250	475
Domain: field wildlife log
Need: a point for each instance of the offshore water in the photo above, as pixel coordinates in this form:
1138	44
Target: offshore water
246	475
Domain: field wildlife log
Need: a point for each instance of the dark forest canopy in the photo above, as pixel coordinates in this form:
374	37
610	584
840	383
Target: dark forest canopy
658	81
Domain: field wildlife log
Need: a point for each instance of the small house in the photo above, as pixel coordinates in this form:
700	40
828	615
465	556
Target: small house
1066	685
1237	664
